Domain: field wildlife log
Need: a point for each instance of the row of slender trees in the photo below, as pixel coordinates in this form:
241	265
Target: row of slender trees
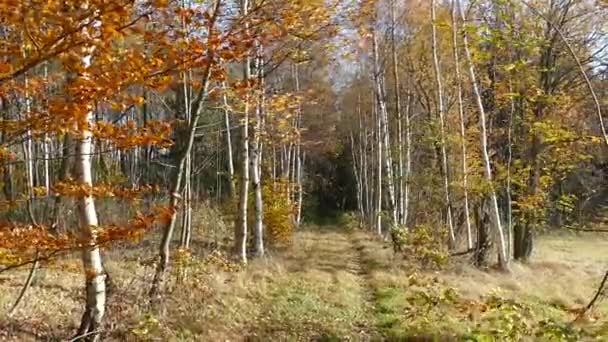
496	100
138	110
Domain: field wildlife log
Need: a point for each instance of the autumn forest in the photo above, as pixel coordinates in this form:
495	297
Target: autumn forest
303	170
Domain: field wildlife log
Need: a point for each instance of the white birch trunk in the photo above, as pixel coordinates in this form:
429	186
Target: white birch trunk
186	208
509	232
292	170
298	154
385	154
357	173
400	166
229	156
378	170
408	160
364	165
26	146
240	237
47	156
299	177
288	170
258	227
95	277
463	145
442	133
503	258
46	150
274	168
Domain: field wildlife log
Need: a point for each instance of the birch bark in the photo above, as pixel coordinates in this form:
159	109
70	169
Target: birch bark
442	133
503	259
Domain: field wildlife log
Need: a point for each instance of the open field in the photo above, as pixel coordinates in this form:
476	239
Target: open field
329	285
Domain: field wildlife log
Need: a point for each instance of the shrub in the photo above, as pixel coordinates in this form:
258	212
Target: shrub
423	244
278	213
350	220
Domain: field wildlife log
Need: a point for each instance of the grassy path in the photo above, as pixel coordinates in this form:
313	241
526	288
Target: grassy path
328	263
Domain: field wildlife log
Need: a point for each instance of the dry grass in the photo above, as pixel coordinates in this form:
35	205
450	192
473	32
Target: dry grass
564	270
329	285
562	277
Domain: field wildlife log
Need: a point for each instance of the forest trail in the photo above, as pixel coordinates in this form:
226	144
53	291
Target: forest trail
330	250
333	256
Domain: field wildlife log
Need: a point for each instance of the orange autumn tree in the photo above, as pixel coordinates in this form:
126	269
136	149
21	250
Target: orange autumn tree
69	72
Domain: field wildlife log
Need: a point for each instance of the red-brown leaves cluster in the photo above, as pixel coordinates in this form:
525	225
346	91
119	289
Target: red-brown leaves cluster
21	242
129	135
71	188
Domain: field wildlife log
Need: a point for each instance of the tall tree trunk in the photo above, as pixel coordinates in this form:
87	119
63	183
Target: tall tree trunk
240	231
378	156
442	133
287	170
509	232
176	187
186	232
503	258
274	168
64	170
292	168
483	242
28	156
256	183
364	167
186	193
384	147
463	140
95	277
229	154
357	174
178	178
357	154
397	94
408	159
299	180
91	257
46	151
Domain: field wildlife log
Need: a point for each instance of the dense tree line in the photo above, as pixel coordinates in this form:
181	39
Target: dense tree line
494	128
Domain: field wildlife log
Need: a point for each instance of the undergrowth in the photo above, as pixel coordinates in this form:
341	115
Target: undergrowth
329	285
412	301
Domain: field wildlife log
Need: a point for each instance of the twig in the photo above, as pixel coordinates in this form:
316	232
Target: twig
80	337
28	262
589	230
463	253
599	292
27	284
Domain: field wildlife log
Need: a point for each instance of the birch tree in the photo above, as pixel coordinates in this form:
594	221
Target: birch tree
503	258
397	94
240	231
461	117
95	281
178	179
384	150
442	132
256	156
